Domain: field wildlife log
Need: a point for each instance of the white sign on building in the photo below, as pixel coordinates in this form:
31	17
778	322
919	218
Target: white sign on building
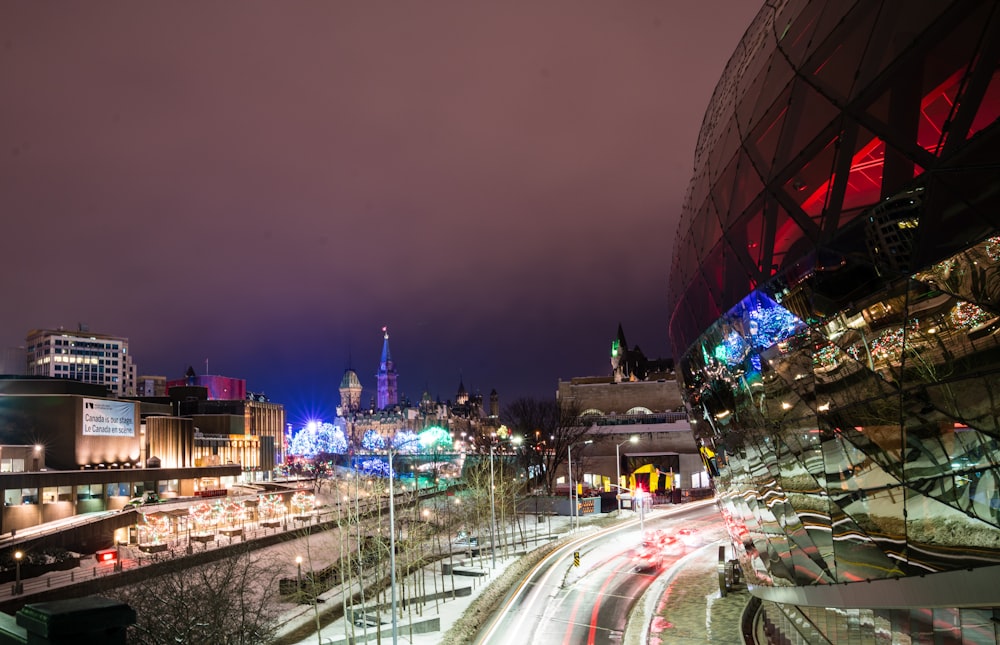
108	418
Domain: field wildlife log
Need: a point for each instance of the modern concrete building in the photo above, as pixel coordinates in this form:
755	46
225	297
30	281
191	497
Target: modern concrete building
82	355
67	449
835	299
150	385
639	398
219	388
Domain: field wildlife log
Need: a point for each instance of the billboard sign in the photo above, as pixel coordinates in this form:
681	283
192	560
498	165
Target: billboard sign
105	418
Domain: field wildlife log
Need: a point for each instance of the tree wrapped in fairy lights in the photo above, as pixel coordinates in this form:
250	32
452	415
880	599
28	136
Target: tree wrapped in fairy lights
303	503
270	508
155	529
318	438
232	513
372	441
205	516
373	468
406	441
435	438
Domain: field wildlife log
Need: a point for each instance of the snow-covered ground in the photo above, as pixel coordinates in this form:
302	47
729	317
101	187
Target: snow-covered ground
457	624
450	611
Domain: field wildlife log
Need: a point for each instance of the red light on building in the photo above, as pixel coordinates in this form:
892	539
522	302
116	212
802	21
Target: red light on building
106	555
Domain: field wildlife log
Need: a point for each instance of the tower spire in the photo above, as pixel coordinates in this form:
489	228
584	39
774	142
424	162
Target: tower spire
387	390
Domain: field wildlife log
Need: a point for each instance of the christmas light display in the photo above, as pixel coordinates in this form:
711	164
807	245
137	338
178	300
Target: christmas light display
233	513
270	508
155	528
205	516
406	441
372	440
373	467
435	438
993	249
826	357
316	438
770	323
966	315
303	503
731	350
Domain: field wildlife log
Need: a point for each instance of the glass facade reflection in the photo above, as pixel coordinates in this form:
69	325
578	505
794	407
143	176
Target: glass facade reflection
835	291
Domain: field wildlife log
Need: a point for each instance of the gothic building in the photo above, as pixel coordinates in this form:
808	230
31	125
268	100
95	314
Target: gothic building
388	395
350	392
388	414
632	365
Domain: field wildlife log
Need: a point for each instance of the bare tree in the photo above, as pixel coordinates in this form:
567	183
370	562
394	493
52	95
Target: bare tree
548	429
227	601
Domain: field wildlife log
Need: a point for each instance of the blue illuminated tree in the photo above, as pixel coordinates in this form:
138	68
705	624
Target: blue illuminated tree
406	441
318	437
372	440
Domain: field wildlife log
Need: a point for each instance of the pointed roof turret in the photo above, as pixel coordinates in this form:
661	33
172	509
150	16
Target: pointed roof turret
387	389
386	356
350	379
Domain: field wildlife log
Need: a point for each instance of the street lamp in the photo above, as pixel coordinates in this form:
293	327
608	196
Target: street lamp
17	572
298	563
493	511
618	468
392	548
569	467
517	441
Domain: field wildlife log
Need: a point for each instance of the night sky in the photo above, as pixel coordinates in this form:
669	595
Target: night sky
265	185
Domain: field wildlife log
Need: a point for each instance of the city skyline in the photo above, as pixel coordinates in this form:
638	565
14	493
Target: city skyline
266	189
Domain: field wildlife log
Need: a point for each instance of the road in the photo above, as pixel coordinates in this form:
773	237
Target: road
559	602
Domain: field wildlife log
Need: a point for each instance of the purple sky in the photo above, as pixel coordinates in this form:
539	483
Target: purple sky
266	185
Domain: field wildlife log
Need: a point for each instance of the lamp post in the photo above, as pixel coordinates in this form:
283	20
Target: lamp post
392	548
618	469
493	511
17	572
569	467
298	577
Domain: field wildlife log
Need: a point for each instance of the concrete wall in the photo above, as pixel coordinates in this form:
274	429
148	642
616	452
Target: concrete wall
56	421
657	396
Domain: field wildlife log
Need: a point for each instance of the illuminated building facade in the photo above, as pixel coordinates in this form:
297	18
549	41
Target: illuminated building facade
220	388
388	393
82	356
835	299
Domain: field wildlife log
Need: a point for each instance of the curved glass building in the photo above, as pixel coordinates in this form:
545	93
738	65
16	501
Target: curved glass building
835	299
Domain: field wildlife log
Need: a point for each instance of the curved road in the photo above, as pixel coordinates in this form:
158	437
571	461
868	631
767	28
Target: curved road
560	603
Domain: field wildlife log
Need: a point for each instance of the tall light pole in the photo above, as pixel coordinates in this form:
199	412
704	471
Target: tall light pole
392	548
618	469
493	510
569	456
17	572
298	563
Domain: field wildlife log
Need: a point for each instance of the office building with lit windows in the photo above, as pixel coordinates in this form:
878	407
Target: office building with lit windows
84	356
835	317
